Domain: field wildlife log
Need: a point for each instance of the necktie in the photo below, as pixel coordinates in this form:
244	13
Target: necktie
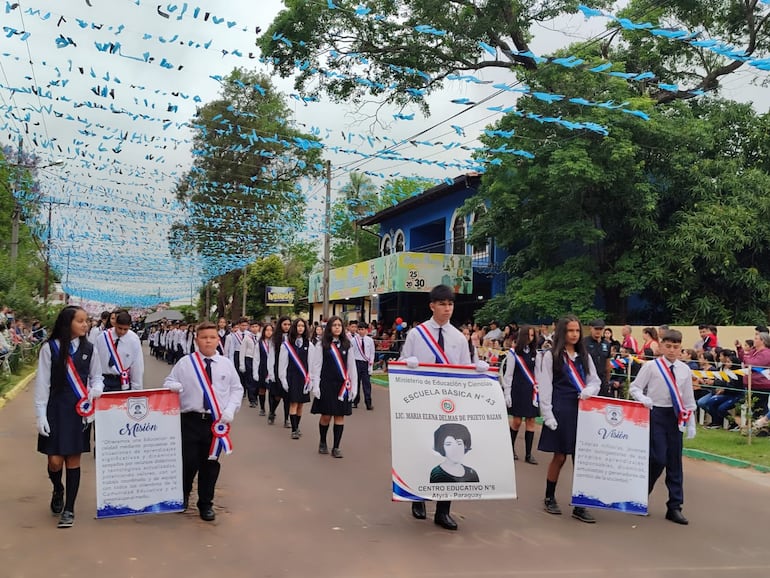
440	344
112	362
206	403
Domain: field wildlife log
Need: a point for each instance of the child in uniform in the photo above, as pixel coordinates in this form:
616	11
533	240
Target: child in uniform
293	372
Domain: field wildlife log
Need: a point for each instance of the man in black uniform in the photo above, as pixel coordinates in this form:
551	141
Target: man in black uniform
599	350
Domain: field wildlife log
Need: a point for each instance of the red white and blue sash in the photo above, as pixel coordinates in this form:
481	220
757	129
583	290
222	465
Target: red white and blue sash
432	344
573	374
84	406
125	376
682	414
346	386
265	348
221	440
361	348
297	361
238	337
522	365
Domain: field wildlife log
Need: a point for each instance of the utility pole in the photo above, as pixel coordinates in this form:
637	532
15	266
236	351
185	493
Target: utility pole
327	226
46	277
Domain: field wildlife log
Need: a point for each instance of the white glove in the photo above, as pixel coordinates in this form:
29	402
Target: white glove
482	366
508	400
690	430
317	391
174	386
412	362
285	386
585	394
550	423
226	416
94	393
647	401
42	426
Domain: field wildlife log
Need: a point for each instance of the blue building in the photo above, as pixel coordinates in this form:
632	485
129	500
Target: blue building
423	242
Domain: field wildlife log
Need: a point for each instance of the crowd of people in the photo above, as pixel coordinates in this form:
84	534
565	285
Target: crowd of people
17	333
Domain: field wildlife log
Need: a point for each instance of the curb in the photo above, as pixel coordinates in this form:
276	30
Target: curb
708	457
17	389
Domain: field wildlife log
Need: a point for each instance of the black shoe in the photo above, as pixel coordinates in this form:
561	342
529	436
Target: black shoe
323	448
583	515
271	419
67	519
355	406
552	507
207	514
677	517
445	521
369	406
530	460
418	510
57	502
261	412
336	453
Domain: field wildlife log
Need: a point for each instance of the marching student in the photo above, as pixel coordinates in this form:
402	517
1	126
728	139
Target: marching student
334	380
667	382
96	330
363	352
188	340
210	394
233	344
277	393
438	341
293	372
246	361
222	331
565	374
120	354
520	389
69	378
262	372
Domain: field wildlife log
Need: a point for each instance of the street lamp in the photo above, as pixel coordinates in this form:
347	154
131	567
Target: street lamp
17	208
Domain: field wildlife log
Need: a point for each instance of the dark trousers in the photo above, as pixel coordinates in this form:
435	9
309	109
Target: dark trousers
111	382
196	443
250	385
364	383
666	452
443	507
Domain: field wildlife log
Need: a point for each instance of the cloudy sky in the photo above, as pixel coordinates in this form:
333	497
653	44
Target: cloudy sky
116	81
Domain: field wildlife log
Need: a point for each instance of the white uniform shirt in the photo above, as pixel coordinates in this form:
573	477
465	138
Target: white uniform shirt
649	377
363	349
248	349
544	378
224	380
455	345
315	361
94	334
43	377
233	343
130	352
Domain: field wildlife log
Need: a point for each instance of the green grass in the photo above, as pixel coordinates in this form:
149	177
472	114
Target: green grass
732	445
7	382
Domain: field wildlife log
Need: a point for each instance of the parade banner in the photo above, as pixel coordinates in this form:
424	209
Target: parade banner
449	434
611	455
138	453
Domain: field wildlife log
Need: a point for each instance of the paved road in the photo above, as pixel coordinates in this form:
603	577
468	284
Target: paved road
286	511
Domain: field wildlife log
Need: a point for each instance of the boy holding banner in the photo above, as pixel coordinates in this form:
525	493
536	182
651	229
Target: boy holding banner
664	386
438	341
120	354
210	392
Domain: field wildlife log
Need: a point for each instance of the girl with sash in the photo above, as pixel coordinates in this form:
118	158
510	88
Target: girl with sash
69	378
260	369
334	381
520	389
665	387
293	373
277	394
565	374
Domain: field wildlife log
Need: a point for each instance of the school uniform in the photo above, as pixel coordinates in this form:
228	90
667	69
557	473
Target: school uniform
262	372
130	360
196	420
559	398
56	400
328	380
233	345
277	392
223	333
94	333
518	386
246	365
290	375
455	346
363	352
650	387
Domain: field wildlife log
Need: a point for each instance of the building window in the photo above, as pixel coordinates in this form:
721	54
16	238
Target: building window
458	235
398	243
481	249
386	247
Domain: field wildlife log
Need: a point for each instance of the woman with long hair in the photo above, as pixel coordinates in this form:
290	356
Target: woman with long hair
520	389
69	378
293	373
565	374
335	383
261	366
277	393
